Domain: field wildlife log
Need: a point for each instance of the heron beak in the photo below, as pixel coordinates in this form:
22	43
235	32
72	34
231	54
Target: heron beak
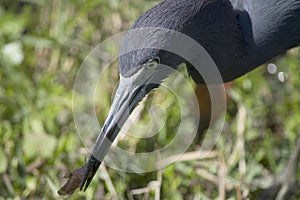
129	93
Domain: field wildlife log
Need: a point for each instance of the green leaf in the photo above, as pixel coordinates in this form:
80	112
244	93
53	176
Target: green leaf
13	52
39	145
3	161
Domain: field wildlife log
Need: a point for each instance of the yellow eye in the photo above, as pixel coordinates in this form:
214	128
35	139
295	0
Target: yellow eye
152	64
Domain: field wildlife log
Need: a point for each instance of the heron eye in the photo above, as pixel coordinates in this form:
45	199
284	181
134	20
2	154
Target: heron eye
152	64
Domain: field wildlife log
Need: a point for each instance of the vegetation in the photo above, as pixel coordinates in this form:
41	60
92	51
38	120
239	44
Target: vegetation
42	45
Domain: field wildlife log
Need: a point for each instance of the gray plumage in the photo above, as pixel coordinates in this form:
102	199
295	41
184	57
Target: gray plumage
239	35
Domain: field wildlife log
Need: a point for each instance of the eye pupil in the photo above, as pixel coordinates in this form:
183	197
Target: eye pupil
151	65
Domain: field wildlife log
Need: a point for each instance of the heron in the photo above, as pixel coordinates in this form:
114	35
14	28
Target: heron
239	36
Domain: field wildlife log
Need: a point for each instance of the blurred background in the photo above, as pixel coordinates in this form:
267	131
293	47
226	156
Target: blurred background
42	45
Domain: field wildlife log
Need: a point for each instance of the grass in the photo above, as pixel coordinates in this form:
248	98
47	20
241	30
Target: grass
43	43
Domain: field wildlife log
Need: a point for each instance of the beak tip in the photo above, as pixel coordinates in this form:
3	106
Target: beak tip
91	169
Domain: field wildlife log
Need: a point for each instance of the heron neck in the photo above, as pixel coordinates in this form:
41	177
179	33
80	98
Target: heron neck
269	28
247	33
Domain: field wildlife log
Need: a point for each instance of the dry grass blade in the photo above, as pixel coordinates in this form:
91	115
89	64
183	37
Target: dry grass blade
189	156
108	181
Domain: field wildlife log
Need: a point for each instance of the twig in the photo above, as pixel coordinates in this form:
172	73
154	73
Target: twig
189	156
7	183
34	165
208	176
240	146
222	179
108	181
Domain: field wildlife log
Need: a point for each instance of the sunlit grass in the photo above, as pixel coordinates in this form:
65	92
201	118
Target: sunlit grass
42	45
